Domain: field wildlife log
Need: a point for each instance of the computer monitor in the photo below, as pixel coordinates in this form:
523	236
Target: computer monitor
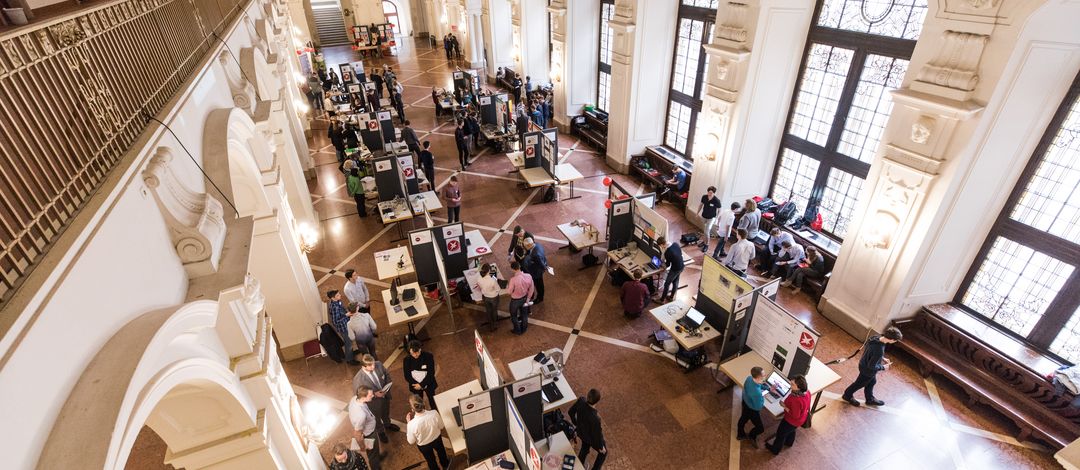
778	385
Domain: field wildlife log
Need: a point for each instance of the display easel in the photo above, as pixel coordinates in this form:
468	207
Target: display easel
495	110
439	254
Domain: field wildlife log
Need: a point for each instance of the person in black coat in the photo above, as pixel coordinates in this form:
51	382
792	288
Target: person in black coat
462	139
516	252
473	126
587	421
377	79
535	264
872	361
336	138
332	343
420	363
349	136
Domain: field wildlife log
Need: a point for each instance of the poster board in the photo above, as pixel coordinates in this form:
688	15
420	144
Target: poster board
370	130
550	150
489	374
721	285
520	441
484	423
620	223
388	178
781	338
386	123
451	242
651	223
408	173
423	254
532	148
346	71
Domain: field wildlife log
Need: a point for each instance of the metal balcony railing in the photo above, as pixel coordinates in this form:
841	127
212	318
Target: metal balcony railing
74	96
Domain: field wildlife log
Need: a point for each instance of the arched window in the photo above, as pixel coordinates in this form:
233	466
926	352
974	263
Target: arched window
857	51
390	12
603	88
1024	280
696	18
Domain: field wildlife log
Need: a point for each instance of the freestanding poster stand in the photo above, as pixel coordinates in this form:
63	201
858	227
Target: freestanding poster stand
782	339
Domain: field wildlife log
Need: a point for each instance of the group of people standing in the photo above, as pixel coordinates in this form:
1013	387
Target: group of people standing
451	46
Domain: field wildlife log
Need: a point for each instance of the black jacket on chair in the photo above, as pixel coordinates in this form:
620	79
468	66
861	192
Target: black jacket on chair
587	421
332	343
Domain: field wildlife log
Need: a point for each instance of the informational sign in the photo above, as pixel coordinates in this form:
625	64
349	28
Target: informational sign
620	209
485	100
406	165
527	386
384	115
452	231
530	140
354	88
769	290
519	436
459	75
651	222
421	238
722	285
476	418
383	165
372	125
453	246
475	402
781	338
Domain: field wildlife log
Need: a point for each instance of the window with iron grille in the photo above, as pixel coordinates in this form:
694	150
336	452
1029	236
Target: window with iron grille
689	61
603	88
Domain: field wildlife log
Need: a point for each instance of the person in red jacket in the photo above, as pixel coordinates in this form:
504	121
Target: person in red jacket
634	295
796	410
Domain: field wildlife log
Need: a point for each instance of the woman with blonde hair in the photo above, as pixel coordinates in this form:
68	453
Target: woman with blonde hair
751	219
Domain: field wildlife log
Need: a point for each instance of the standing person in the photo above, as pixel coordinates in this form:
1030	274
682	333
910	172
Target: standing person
518	241
707	210
399	104
337	137
522	125
334	78
362	330
489	291
634	295
521	290
389	78
741	253
536	263
365	425
452	194
515	89
812	267
377	79
796	409
753	399
446	45
420	370
726	222
427	163
461	138
528	84
315	92
408	134
472	124
675	265
587	421
423	428
873	360
751	219
374	376
356	189
339	318
346	459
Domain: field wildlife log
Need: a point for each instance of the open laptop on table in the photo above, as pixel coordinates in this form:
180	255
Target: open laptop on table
692	320
779	387
654	263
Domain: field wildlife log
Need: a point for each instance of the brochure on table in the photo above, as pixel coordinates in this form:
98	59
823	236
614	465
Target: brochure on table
781	338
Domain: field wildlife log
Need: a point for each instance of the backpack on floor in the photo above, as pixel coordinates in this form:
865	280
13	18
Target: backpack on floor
688	238
590	259
549	194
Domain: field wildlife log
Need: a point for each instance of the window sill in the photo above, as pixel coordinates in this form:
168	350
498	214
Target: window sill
1004	344
669	154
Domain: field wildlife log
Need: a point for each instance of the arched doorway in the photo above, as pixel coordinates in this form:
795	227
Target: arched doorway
390	10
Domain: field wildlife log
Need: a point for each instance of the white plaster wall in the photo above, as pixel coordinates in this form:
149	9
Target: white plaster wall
366	12
534	39
656	23
499	36
582	48
122	266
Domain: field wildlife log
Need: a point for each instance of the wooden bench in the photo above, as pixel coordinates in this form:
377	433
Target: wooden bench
591	126
661	162
935	339
814	287
507	81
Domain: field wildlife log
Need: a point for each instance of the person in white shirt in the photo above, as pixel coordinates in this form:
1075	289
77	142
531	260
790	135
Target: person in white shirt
787	260
724	222
424	430
489	290
356	291
768	253
741	254
362	330
364	425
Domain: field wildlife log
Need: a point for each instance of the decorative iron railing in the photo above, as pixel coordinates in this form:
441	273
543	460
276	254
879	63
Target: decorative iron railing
74	96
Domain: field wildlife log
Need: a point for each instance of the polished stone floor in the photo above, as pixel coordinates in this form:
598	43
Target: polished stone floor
655	415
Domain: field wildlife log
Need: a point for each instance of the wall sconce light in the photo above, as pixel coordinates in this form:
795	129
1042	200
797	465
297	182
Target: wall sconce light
556	72
710	144
319	421
309	237
880	232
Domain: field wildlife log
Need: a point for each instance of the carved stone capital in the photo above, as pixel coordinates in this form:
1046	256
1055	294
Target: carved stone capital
954	72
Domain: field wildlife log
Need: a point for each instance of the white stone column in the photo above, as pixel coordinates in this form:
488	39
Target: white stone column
474	32
754	61
498	35
575	44
640	74
984	81
530	36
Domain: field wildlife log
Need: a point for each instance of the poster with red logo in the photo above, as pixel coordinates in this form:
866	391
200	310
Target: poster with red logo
781	338
453	246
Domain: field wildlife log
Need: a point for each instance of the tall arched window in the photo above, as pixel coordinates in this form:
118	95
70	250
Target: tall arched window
857	51
1024	280
696	18
603	88
391	14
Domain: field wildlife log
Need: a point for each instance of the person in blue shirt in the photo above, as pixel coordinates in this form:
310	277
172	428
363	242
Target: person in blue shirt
676	183
753	399
339	318
674	261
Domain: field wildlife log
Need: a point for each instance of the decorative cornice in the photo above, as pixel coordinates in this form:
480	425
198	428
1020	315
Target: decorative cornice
954	72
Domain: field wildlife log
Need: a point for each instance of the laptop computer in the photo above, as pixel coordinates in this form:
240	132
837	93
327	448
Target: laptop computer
692	320
779	387
550	393
654	263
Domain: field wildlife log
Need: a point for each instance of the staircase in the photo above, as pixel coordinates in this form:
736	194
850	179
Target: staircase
329	23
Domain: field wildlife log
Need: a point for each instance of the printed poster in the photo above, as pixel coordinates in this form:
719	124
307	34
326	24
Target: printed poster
485	100
383	165
384	115
421	238
453	246
527	386
451	231
530	140
407	169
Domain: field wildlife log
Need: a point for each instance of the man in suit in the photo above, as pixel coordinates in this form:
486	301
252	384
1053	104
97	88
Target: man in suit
374	376
408	134
535	264
587	421
462	139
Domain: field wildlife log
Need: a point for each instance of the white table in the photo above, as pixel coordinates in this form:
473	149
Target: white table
557	446
629	258
818	377
386	262
395	314
671	312
446	401
526	367
427	201
476	245
537	176
491	463
566	173
517	158
395	211
578	237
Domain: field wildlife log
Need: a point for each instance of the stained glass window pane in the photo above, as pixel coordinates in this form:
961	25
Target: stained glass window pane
1051	200
1015	284
607	12
1067	343
901	19
687	51
819	92
795	179
838	201
604	93
702	3
678	127
871	106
